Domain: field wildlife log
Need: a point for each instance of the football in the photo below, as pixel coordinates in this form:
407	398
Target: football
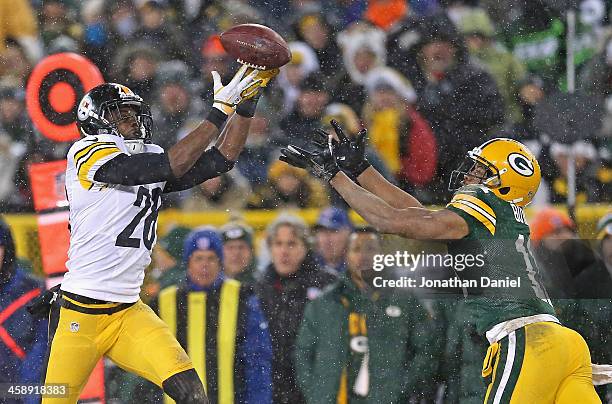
256	46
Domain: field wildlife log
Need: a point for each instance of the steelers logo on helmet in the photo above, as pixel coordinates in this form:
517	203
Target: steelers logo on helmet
85	108
521	164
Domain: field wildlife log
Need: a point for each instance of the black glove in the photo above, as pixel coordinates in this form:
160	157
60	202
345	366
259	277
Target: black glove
348	154
321	164
41	306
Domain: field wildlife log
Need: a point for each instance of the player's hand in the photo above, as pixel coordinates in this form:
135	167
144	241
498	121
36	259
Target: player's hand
243	85
320	163
349	154
266	76
248	104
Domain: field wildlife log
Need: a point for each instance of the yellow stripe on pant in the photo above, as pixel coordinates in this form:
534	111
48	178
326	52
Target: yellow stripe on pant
226	339
196	333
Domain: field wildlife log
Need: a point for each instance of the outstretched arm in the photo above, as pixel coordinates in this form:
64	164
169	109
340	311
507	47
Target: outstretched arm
186	163
223	155
413	222
374	182
350	156
183	155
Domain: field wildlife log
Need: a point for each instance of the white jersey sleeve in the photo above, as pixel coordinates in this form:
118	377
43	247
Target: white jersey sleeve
92	152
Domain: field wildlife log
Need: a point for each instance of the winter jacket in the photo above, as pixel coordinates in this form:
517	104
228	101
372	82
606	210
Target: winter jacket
463	356
507	72
23	339
283	300
342	324
406	143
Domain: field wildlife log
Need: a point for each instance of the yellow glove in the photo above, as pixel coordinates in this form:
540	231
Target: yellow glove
262	79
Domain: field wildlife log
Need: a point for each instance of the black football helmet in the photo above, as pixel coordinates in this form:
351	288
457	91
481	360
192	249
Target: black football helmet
94	111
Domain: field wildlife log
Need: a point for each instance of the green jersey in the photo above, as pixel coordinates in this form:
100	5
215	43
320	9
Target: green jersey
509	282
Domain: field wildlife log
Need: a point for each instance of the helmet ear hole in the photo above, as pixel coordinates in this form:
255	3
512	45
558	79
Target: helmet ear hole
504	190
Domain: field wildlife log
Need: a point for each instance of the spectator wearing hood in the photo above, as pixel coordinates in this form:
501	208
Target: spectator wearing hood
228	192
122	21
536	38
23	340
363	49
303	63
15	67
289	282
15	130
459	99
20	145
397	131
348	119
219	322
479	34
314	30
550	231
57	20
288	187
302	122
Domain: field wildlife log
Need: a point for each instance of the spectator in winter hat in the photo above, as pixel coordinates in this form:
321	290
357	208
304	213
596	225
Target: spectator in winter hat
303	62
219	320
238	252
332	232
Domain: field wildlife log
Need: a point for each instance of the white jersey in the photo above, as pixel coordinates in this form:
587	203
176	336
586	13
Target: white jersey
112	227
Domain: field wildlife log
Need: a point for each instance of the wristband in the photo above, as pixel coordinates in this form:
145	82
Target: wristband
247	107
364	165
216	117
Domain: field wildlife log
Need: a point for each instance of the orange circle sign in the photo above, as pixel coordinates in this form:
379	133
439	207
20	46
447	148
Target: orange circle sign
54	89
62	97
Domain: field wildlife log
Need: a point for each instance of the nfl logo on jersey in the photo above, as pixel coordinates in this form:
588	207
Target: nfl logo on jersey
74	326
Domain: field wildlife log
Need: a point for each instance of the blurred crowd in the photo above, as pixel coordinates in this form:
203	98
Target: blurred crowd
428	78
307	325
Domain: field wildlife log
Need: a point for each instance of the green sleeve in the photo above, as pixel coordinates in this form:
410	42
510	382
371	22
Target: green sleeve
305	348
423	366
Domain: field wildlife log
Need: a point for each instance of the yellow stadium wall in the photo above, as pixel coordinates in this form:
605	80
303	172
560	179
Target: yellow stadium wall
26	234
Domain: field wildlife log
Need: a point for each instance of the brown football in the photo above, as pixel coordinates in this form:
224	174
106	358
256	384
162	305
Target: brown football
256	45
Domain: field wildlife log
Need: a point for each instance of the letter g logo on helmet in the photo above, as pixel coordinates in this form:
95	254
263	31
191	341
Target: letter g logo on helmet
521	164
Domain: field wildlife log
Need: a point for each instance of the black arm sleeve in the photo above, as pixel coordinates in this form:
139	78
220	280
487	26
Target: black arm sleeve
136	169
210	164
